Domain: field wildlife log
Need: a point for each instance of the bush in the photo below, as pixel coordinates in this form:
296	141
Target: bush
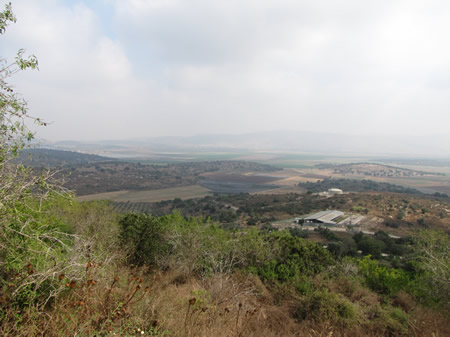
95	222
346	247
198	247
143	236
292	258
382	279
34	250
304	234
401	214
431	260
323	306
371	246
388	321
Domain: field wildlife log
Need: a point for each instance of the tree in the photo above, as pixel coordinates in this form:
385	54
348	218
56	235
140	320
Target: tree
14	134
31	244
371	246
142	235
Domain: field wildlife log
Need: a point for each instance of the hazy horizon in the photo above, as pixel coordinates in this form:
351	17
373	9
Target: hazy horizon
283	141
135	69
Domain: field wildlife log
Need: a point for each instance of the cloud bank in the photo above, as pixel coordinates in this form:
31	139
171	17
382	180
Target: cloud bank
143	68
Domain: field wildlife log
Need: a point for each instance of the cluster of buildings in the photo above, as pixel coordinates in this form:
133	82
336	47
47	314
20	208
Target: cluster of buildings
324	218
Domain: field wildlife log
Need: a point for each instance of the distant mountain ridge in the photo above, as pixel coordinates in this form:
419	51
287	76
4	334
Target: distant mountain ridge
284	140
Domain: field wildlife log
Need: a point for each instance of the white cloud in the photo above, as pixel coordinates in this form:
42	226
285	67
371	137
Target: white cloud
83	73
111	60
189	67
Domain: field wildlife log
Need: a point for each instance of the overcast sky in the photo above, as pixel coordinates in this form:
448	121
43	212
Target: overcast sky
114	69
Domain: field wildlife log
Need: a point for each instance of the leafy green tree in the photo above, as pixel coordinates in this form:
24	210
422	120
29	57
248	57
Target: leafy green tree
293	257
383	279
371	246
342	248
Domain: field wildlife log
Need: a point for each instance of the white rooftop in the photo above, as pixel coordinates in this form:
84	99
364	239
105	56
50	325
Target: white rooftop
325	216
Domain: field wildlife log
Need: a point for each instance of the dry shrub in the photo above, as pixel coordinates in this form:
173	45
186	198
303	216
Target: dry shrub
98	304
236	305
404	301
324	306
221	305
273	321
406	318
352	290
386	321
209	307
429	322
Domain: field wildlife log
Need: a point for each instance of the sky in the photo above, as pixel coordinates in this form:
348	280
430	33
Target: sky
118	69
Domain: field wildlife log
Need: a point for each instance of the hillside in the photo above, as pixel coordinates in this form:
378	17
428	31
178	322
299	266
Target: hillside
48	158
80	268
399	214
92	174
374	170
268	173
172	276
351	185
115	176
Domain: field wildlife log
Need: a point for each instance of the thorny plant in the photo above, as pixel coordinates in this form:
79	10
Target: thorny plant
197	307
105	307
87	306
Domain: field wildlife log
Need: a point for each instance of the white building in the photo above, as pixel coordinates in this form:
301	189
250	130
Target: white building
323	218
333	191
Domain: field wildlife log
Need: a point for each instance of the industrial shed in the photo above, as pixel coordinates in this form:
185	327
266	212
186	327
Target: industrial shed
333	191
324	217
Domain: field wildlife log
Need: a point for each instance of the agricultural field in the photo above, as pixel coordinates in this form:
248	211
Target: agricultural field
426	175
134	196
232	172
112	176
233	183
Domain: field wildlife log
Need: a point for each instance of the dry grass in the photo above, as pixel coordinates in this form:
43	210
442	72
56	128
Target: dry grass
428	322
89	306
238	305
